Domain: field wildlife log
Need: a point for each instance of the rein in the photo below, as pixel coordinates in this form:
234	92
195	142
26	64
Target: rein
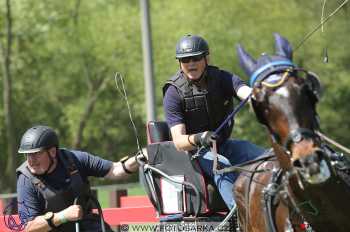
232	115
216	133
331	141
239	168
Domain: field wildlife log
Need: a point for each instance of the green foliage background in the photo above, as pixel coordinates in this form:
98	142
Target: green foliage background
57	47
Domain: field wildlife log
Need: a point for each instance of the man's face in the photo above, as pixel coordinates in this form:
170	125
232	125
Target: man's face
193	66
39	162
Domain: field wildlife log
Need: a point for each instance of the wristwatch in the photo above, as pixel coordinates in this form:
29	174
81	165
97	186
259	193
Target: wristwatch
48	217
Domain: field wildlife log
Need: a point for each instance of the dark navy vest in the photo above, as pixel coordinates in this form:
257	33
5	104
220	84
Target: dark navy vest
205	108
56	201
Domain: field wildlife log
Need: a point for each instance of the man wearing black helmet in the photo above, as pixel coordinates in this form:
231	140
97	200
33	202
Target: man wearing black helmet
197	99
52	184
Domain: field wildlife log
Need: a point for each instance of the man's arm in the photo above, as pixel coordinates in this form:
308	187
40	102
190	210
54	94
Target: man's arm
118	172
182	141
99	167
39	224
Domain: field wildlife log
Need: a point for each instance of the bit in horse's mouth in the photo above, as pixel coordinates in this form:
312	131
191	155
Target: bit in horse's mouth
317	177
313	168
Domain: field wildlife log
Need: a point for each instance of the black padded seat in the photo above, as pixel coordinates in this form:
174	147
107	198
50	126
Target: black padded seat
163	155
158	131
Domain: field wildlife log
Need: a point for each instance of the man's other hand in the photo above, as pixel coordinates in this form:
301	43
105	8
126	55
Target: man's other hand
204	139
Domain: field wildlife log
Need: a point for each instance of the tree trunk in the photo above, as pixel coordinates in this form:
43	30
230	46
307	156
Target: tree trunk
89	108
7	98
95	87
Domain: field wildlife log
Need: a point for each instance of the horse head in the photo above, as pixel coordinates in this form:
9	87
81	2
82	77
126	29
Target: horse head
284	100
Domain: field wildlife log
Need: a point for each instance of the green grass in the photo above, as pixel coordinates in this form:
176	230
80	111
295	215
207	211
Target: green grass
136	191
103	198
133	190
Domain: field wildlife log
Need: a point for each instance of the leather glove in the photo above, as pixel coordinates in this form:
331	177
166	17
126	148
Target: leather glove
204	138
141	157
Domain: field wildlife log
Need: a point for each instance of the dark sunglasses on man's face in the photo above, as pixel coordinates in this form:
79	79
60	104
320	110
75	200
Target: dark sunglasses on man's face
193	58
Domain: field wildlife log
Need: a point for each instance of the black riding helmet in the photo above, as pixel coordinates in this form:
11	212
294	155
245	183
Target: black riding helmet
37	139
191	45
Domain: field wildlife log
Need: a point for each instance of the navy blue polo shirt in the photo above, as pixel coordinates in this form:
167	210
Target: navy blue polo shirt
31	202
172	102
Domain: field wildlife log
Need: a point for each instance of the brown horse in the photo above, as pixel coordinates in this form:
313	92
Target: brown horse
303	186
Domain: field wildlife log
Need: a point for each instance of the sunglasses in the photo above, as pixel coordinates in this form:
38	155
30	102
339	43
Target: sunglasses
193	58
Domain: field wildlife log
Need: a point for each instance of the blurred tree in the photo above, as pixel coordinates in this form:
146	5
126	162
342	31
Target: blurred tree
6	45
64	58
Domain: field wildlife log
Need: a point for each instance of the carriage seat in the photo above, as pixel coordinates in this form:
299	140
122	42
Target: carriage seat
158	131
163	155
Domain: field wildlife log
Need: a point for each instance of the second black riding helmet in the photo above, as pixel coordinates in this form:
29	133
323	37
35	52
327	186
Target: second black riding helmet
38	138
191	45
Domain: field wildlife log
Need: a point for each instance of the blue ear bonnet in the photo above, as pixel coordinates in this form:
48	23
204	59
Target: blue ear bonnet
266	68
258	69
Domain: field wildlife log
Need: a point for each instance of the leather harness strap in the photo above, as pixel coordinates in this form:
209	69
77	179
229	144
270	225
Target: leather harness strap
248	186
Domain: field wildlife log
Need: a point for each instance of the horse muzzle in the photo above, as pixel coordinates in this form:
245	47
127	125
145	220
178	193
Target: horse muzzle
313	168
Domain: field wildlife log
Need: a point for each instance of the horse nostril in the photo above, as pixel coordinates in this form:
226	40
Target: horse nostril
297	163
320	154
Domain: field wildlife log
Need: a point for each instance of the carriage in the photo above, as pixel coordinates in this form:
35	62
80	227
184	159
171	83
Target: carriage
177	187
302	182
